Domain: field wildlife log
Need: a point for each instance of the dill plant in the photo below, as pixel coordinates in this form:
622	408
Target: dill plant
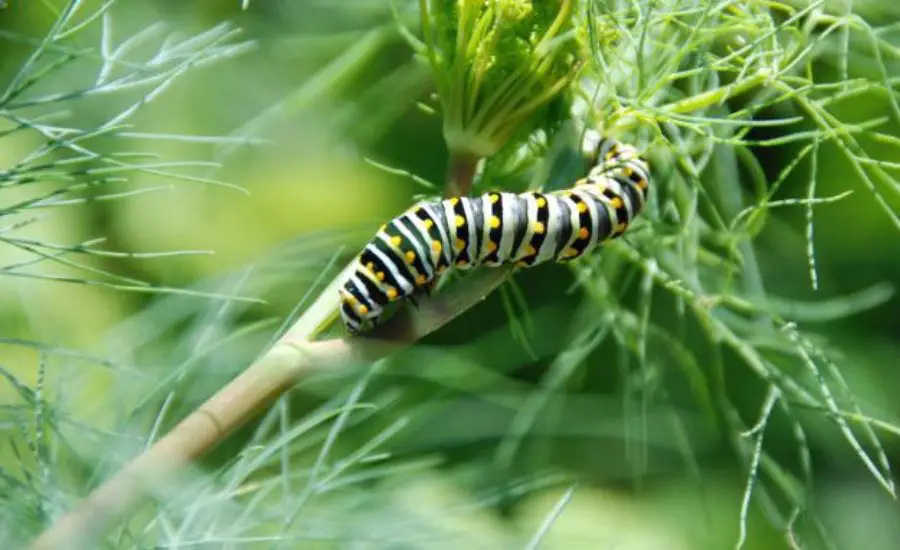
497	68
57	168
686	313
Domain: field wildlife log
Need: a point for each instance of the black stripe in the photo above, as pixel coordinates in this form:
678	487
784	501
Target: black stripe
584	220
520	222
621	212
635	195
478	220
461	233
419	262
357	293
397	257
635	179
562	227
603	224
537	240
348	311
495	234
375	292
368	256
434	234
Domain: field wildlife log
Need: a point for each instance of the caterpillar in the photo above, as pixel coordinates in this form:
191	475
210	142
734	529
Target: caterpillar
409	253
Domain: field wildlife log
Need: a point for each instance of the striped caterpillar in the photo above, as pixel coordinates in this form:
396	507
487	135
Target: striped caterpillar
408	253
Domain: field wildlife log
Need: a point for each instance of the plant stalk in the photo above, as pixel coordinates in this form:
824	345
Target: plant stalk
460	174
288	361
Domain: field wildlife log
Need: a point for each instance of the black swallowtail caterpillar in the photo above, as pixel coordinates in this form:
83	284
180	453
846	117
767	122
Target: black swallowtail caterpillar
409	253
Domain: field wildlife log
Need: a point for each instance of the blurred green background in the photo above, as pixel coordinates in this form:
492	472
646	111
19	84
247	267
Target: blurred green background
325	86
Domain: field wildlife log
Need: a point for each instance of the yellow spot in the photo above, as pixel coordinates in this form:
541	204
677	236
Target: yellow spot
521	264
627	170
461	263
617	202
582	207
460	221
460	244
530	250
541	202
621	227
421	280
583	233
349	298
370	266
539	227
491	246
380	275
382	228
642	184
454	201
581	181
570	253
410	256
442	269
429	224
494	198
363	310
391	293
495	222
436	246
396	241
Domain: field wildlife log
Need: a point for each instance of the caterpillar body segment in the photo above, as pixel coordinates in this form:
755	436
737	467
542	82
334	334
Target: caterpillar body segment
408	253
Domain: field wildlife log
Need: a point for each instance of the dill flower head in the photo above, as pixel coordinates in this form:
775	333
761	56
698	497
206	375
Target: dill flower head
498	64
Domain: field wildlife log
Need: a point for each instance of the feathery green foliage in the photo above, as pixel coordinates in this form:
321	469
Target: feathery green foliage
721	365
496	65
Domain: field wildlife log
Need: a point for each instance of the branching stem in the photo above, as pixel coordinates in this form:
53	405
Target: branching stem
290	360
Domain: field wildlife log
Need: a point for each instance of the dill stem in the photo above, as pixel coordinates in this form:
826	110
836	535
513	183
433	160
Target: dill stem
290	360
460	174
199	432
717	96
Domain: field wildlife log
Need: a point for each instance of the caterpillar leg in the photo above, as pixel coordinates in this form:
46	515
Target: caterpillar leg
424	290
430	286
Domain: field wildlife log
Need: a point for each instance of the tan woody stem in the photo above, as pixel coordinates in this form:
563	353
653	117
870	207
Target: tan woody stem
290	360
